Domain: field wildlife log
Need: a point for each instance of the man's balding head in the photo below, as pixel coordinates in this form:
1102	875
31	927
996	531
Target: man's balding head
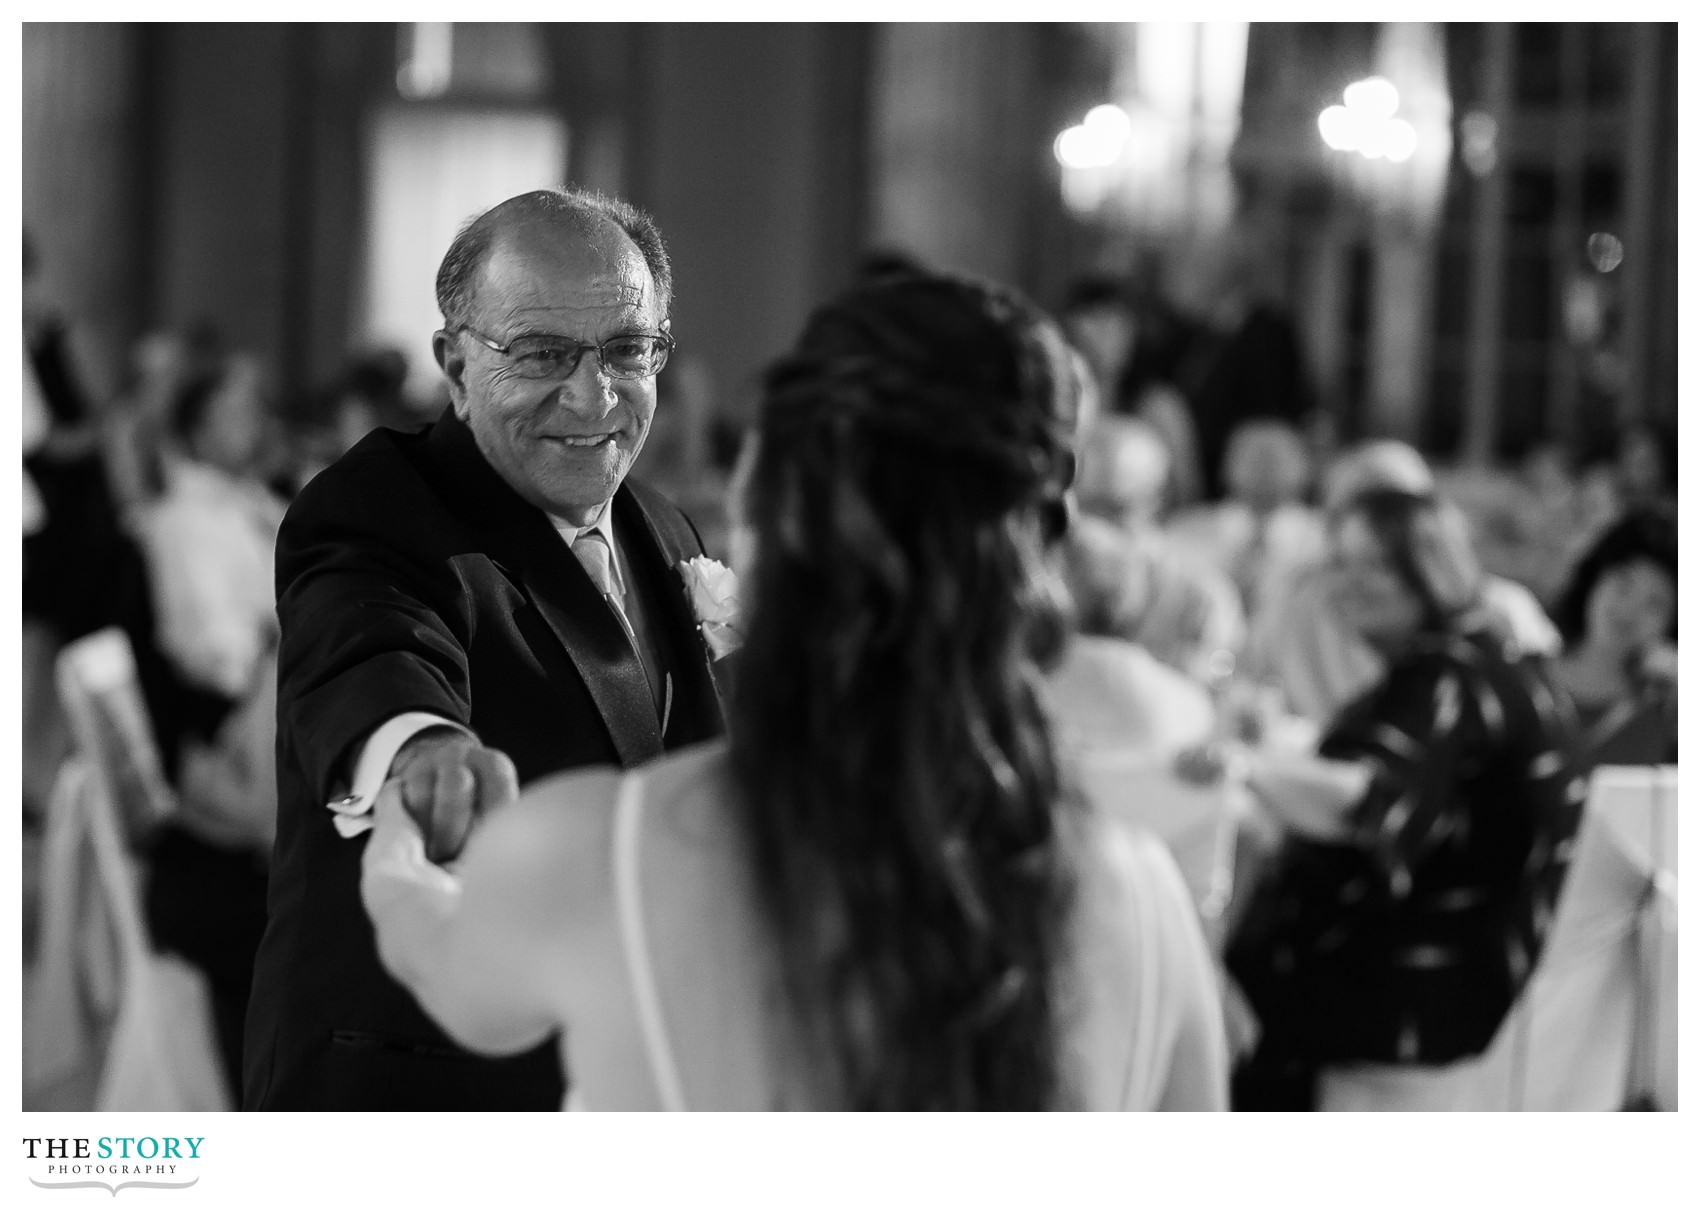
588	214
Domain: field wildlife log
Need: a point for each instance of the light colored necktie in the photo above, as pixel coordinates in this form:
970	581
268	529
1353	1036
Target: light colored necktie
591	548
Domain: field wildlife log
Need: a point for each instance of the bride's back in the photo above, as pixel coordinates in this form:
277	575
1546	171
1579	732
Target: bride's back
880	891
1124	981
882	894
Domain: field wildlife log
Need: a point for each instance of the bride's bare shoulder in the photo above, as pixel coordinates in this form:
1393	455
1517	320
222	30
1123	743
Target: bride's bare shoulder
572	812
690	796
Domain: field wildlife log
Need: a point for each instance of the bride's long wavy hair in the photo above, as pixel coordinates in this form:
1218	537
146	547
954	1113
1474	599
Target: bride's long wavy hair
900	789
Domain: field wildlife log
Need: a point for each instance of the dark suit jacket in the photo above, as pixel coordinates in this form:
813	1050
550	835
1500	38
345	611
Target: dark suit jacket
410	577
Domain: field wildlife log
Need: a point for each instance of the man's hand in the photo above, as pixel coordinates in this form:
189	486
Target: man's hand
447	780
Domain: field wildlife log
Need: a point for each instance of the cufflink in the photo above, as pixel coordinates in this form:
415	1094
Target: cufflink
344	802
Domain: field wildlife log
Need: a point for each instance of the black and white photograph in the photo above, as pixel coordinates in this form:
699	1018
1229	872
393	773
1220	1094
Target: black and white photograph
912	566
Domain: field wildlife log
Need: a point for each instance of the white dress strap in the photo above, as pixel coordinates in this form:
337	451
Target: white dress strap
1143	1044
628	817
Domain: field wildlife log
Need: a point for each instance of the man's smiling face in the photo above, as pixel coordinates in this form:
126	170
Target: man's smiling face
563	443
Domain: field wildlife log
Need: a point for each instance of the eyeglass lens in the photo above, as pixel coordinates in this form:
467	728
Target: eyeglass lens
627	357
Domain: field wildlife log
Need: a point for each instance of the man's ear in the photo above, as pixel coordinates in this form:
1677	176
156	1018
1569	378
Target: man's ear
446	348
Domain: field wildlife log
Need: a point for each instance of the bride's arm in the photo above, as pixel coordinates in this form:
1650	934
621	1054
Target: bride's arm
483	947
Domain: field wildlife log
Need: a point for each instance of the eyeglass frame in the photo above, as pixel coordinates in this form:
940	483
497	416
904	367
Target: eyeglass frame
669	343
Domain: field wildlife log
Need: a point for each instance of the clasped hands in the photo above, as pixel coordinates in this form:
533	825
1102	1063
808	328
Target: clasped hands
446	781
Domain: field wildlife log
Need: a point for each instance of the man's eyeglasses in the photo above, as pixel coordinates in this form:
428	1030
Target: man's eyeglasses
545	356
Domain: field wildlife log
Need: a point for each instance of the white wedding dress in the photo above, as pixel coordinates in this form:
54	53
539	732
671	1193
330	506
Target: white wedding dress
650	961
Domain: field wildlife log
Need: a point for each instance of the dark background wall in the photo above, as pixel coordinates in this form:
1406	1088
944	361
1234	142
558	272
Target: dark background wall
181	172
748	148
184	172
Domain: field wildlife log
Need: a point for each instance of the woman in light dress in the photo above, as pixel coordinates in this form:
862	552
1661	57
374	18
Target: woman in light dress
885	890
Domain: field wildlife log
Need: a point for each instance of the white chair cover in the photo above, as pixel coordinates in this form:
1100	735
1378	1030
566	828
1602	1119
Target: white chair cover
59	1034
1639	806
163	1054
102	998
1566	1045
109	724
1197	823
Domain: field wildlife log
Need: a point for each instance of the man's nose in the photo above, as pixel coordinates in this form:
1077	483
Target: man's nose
589	390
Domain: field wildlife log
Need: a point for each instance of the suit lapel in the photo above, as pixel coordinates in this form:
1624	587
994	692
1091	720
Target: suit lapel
521	538
668	540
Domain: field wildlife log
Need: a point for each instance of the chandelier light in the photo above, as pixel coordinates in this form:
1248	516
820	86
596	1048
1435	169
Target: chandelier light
1368	123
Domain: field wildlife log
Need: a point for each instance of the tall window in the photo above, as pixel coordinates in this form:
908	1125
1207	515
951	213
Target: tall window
432	168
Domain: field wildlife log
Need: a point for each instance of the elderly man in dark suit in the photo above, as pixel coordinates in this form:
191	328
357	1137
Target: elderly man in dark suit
464	609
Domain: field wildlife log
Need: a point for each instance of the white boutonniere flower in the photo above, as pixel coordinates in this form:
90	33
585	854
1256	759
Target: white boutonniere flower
713	591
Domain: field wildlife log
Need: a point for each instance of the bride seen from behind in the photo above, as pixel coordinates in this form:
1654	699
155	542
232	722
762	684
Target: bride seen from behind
885	890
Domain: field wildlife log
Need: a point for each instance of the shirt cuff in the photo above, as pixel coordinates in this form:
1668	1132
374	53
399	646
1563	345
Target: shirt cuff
353	812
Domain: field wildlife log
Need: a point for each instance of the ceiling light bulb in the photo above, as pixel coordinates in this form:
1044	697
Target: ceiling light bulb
1375	97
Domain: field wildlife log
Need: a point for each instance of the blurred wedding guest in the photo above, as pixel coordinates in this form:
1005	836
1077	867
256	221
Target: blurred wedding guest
79	569
1106	693
377	378
492	599
68	557
1098	321
1646	465
1300	643
135	433
369	391
209	677
34	428
1130	352
135	430
1246	358
1427	838
1633	466
1618	618
46	735
882	892
209	536
320	425
1130	579
1263	532
1532	527
880	263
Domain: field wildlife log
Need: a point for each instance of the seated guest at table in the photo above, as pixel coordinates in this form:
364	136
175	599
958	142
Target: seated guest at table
1618	618
1105	693
208	537
1300	643
209	674
1263	532
1141	585
1426	840
882	892
1130	340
